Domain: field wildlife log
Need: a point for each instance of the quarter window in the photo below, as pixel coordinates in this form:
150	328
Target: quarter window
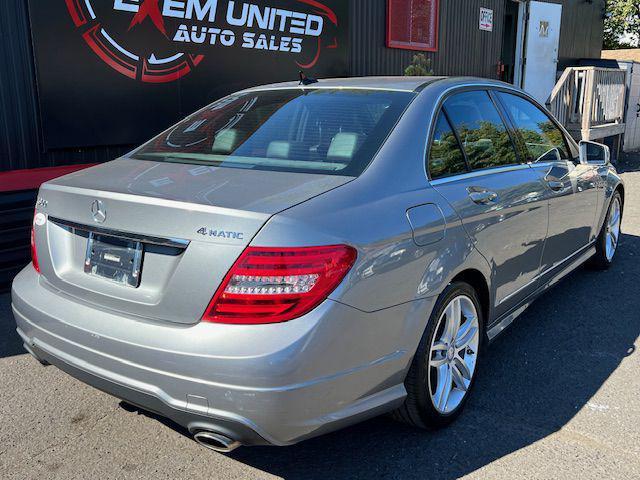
483	134
445	156
542	139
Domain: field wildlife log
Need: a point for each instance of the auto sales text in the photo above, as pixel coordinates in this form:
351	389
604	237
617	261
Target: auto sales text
267	28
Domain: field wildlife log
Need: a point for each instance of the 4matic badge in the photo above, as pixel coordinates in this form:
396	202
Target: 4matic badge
212	232
158	41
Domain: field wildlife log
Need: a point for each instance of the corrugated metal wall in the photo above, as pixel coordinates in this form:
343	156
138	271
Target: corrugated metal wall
581	29
463	48
20	145
16	213
18	119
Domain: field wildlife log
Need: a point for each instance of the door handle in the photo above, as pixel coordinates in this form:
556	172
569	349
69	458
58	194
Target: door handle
483	198
555	185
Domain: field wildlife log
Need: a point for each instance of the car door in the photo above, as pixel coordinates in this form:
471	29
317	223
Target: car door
571	187
474	165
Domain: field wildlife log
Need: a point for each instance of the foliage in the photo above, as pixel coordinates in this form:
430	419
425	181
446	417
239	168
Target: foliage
445	157
541	139
420	66
487	145
622	18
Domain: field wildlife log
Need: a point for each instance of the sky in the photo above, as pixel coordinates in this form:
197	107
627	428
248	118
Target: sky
628	38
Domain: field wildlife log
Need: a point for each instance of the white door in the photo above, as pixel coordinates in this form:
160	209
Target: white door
632	132
541	49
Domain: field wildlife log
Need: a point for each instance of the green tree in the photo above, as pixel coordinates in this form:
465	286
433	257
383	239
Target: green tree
622	18
420	67
486	144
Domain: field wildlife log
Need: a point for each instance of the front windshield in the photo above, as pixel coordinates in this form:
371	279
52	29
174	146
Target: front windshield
331	131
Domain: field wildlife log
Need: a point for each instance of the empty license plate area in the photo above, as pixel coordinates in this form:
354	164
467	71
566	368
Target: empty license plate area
114	259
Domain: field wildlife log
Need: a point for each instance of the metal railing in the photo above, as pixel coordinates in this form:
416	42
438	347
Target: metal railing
590	101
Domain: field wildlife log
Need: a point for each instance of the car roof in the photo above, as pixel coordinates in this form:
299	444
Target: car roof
406	84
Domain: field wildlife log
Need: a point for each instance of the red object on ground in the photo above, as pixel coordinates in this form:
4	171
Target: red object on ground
31	179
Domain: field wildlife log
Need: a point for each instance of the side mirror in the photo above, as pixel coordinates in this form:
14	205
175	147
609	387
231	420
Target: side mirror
592	153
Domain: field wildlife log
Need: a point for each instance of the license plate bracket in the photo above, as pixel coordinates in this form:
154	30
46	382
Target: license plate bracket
114	259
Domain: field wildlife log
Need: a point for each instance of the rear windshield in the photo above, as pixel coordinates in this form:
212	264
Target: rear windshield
331	131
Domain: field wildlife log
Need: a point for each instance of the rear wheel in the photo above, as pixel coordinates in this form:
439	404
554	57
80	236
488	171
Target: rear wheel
607	241
445	365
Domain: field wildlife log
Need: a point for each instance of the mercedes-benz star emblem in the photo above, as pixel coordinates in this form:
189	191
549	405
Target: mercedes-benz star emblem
98	211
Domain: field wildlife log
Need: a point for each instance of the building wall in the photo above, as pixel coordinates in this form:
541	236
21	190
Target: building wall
581	30
20	142
16	215
463	49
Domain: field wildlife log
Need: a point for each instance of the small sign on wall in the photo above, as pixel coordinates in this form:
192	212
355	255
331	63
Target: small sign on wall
486	19
544	28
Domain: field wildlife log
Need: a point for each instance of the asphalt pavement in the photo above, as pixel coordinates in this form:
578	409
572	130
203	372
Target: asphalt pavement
558	397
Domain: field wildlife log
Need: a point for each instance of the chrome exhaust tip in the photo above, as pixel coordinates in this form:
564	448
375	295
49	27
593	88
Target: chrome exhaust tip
216	441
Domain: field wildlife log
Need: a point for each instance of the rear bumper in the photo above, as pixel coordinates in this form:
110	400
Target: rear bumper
267	384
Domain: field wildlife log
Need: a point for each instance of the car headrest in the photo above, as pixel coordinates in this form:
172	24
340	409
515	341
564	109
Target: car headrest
344	146
279	149
225	141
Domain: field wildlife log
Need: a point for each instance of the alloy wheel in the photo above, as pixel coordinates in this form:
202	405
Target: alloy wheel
613	229
453	354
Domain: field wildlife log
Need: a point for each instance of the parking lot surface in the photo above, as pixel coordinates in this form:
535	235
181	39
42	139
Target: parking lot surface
558	397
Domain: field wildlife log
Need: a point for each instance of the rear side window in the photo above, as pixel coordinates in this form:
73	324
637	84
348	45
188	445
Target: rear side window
543	140
330	131
445	155
483	134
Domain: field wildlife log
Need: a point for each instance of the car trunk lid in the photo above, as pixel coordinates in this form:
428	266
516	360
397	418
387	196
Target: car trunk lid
191	222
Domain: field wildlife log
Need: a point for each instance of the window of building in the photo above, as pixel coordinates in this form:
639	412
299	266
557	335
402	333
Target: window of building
445	155
483	134
543	140
413	24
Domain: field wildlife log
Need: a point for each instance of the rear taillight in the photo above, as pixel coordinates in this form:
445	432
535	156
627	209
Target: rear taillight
271	285
34	251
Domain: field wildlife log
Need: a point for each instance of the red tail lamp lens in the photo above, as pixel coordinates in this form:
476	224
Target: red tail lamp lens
272	285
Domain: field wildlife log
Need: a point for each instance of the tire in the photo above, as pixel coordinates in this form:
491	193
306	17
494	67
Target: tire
422	381
605	251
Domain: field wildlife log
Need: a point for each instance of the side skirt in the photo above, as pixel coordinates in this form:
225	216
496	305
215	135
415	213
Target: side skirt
507	319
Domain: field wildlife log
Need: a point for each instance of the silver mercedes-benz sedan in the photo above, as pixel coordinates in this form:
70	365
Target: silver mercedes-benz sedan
292	259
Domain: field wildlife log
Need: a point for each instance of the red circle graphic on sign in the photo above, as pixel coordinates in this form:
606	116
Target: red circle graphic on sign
148	69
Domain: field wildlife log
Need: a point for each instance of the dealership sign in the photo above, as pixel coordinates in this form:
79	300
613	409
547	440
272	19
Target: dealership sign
116	72
189	29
